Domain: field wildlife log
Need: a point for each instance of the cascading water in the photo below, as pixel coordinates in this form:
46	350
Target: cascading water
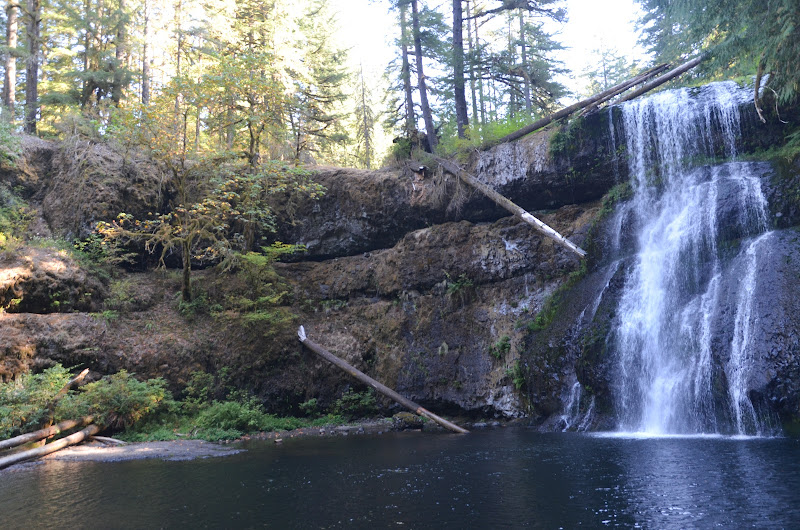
687	222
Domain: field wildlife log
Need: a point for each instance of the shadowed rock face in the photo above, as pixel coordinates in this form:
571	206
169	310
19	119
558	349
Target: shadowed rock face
368	210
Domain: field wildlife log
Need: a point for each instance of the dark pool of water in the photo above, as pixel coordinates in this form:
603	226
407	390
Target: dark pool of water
500	478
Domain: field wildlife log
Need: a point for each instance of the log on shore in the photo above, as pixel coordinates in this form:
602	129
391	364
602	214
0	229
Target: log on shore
510	206
41	434
383	389
50	448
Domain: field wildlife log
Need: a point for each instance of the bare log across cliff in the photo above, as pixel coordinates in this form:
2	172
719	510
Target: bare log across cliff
383	389
672	74
52	447
641	78
42	434
602	97
510	206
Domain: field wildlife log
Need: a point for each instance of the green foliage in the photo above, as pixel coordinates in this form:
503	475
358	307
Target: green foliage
500	349
619	193
462	283
356	404
24	401
108	315
517	375
310	407
118	400
15	215
10	146
741	37
253	299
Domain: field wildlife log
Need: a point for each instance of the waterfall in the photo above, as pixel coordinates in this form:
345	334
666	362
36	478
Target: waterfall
688	219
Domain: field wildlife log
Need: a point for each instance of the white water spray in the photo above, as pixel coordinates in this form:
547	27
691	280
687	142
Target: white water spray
663	334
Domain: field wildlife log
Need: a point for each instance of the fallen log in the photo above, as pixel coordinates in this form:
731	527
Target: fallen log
509	205
383	389
641	78
675	72
42	434
538	124
52	447
109	441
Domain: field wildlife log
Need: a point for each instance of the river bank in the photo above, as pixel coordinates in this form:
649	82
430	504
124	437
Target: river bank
179	450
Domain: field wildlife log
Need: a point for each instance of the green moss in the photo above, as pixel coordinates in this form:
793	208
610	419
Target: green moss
553	304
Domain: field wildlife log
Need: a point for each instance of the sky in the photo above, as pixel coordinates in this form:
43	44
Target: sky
367	28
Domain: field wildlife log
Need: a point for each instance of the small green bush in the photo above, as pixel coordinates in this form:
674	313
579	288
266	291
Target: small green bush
117	400
356	404
500	348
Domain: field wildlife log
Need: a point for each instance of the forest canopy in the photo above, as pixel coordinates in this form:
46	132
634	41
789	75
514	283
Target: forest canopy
269	80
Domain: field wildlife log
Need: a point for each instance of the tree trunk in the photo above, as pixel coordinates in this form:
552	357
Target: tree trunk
364	378
481	92
641	78
41	434
524	66
510	206
146	53
10	82
72	383
459	92
186	284
472	67
367	153
34	15
411	119
120	53
52	447
423	90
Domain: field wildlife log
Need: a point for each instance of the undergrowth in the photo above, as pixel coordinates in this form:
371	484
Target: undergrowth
211	408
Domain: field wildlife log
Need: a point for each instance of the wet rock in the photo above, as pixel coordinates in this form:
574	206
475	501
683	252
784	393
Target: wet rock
403	421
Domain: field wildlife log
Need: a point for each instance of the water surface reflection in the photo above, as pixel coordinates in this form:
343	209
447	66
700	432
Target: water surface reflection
501	478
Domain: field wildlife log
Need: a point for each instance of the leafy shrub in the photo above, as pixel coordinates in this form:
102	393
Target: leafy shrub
117	400
24	402
232	415
517	375
356	404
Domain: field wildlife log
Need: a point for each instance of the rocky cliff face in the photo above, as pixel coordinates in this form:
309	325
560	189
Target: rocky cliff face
418	281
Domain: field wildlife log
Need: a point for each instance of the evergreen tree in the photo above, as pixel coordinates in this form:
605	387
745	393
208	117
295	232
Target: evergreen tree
742	37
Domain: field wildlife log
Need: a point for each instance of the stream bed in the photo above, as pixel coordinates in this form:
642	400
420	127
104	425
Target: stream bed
510	477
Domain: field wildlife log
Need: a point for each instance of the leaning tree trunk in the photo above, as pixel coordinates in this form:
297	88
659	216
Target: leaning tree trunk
383	389
510	206
406	74
423	90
